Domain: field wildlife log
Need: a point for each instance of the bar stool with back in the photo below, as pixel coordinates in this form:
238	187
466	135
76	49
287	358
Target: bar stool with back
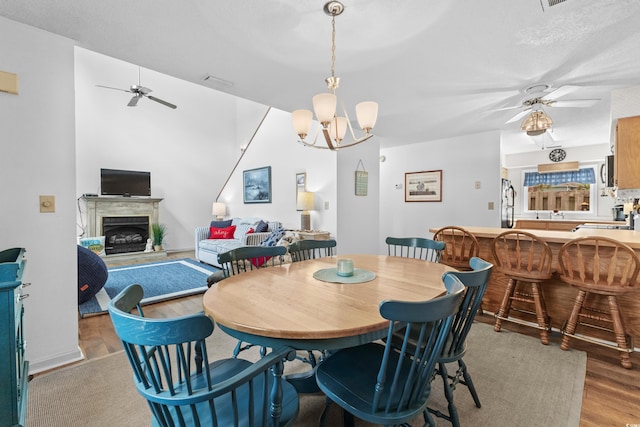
599	268
525	260
460	247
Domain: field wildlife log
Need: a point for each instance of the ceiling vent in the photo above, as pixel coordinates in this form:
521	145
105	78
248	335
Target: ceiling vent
217	81
555	2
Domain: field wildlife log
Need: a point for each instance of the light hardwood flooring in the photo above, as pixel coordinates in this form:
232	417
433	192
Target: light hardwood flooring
611	394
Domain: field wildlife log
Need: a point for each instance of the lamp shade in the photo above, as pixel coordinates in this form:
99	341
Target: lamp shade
338	128
324	106
367	114
302	122
305	201
218	209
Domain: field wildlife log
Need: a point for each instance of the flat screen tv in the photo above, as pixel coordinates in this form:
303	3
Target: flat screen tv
114	182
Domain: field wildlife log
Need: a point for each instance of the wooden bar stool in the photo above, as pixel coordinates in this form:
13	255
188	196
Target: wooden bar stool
526	261
601	269
460	247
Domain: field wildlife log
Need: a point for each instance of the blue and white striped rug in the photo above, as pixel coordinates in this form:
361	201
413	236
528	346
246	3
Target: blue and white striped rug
160	281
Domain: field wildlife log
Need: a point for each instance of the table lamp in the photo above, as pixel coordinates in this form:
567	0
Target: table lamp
218	210
305	204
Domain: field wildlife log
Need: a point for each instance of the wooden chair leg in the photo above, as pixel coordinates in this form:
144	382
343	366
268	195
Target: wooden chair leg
570	328
541	312
505	307
619	330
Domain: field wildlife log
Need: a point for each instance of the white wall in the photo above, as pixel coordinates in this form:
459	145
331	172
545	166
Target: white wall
275	144
463	161
37	157
189	151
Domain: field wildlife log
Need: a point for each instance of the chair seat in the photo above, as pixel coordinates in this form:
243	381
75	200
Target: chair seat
533	276
354	387
220	371
601	290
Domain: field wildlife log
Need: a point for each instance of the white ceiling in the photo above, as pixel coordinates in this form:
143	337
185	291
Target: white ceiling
437	68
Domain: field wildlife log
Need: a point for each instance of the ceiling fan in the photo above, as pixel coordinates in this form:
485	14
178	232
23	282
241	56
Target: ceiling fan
138	92
539	98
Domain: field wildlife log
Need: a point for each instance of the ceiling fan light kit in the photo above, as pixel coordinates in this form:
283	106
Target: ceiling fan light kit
537	123
325	105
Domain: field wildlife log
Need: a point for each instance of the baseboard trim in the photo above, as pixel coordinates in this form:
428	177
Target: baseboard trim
57	361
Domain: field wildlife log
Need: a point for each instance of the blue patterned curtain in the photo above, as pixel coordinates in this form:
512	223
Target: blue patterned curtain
582	176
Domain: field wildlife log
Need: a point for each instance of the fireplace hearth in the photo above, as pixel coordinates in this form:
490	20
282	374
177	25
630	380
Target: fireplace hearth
125	234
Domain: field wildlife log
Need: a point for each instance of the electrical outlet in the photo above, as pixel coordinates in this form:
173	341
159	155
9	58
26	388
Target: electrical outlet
47	204
326	206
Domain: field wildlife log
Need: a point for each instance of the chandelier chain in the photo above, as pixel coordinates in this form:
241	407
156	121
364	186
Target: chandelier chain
333	45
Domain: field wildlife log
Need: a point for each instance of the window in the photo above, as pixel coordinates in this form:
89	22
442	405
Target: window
573	191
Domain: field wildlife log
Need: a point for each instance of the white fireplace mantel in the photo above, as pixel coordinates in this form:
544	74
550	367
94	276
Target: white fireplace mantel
99	207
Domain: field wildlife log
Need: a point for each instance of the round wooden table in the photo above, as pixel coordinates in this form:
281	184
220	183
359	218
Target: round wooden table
286	305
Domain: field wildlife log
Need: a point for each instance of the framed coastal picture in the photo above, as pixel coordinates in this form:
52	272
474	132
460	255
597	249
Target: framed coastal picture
301	184
256	185
424	186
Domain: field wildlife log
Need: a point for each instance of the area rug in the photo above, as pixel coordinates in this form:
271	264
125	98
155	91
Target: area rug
520	383
160	281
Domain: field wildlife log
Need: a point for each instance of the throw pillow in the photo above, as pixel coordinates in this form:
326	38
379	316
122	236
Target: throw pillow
273	238
221	224
241	230
262	227
94	244
222	233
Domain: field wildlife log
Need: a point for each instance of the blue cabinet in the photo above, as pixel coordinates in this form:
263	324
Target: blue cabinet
14	369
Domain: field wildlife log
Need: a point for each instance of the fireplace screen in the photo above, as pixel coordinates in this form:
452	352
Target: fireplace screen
125	233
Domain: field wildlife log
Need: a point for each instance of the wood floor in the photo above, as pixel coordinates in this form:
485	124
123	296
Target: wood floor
611	393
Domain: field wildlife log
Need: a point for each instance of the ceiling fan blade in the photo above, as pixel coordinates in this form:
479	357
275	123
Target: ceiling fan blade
513	107
114	88
575	103
134	101
518	116
560	92
168	104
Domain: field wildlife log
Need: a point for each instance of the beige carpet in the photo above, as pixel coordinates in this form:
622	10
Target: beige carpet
520	382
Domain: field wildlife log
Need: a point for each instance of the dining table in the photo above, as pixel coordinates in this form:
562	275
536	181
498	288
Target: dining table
307	306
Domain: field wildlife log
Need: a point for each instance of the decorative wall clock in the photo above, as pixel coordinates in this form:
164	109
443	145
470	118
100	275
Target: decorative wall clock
557	155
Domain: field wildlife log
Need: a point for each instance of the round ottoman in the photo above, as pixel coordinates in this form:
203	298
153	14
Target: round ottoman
92	274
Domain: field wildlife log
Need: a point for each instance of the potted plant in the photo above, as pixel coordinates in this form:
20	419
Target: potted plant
158	232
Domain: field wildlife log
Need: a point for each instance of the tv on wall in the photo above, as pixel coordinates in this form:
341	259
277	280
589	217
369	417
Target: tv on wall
114	182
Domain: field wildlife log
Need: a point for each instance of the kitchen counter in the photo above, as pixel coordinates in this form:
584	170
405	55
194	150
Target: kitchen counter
558	295
557	223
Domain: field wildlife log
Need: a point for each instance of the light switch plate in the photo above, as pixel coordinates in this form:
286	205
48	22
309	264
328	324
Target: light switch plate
490	206
47	204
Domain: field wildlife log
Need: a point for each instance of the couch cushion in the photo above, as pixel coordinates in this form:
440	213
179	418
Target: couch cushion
222	233
274	225
219	245
220	224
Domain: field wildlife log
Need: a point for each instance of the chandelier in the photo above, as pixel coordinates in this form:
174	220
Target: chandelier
334	126
537	123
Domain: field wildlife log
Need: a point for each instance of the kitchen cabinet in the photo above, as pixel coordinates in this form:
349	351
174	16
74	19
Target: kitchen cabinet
540	224
627	153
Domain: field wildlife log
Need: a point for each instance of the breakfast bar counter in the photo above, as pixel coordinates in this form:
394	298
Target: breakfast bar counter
559	296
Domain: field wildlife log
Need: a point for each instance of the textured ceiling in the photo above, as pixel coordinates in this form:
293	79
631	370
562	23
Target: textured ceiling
437	68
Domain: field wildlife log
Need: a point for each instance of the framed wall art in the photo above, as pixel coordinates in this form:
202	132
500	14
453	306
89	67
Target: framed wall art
301	184
425	186
256	185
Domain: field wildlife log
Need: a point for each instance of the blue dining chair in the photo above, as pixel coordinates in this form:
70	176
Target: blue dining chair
379	384
172	371
475	283
247	258
415	247
302	250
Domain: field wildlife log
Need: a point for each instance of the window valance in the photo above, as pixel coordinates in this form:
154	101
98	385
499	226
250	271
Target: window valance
581	176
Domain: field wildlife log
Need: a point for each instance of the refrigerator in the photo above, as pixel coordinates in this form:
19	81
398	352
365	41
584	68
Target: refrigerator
507	204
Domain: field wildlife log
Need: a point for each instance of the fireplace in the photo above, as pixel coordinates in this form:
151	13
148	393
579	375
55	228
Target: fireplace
124	234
